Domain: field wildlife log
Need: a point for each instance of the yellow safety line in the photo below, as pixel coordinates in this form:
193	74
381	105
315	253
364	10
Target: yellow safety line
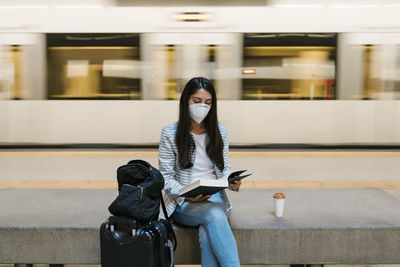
320	184
84	154
248	184
316	154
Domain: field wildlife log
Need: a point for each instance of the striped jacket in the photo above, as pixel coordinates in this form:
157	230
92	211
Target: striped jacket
175	177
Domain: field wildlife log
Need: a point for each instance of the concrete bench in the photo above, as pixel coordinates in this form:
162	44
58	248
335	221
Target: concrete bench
336	226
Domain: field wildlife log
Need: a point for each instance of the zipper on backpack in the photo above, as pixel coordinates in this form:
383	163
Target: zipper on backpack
141	192
141	189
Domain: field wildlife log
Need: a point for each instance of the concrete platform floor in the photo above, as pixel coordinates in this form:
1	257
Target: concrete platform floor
96	169
77	168
299	165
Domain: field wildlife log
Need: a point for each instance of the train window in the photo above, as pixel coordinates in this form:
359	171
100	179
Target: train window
288	66
93	66
10	72
381	68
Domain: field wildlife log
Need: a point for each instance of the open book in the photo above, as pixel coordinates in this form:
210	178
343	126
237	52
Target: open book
210	186
204	187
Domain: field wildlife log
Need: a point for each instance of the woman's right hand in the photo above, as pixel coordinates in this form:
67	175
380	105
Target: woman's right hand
198	198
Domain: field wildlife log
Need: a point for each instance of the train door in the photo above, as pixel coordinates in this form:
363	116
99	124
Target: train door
169	60
369	66
22	66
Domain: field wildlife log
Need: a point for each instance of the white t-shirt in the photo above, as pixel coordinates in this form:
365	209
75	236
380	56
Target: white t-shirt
203	168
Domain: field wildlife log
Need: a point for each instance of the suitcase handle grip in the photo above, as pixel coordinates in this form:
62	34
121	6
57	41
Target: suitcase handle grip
122	239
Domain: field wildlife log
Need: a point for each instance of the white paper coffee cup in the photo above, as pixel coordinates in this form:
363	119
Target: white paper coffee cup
279	205
279	199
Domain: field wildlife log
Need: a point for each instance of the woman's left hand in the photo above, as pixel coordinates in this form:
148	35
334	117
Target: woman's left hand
235	185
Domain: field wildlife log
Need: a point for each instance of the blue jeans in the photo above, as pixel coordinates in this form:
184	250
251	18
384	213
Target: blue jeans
217	243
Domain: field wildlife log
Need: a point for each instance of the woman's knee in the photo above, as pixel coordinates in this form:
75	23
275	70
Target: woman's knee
215	214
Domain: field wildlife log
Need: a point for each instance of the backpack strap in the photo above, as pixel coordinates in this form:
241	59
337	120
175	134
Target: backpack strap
171	230
164	209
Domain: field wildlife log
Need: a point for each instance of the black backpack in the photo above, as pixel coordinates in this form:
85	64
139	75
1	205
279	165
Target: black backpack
134	236
139	186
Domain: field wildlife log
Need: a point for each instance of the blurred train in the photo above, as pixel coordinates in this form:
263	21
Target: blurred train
286	72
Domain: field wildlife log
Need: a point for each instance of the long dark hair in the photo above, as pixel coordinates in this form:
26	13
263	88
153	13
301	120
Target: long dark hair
184	140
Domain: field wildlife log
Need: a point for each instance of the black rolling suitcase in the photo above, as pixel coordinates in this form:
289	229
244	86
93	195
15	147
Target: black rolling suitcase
125	243
133	237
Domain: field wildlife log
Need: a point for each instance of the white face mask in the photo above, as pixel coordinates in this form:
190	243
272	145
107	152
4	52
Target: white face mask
198	111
